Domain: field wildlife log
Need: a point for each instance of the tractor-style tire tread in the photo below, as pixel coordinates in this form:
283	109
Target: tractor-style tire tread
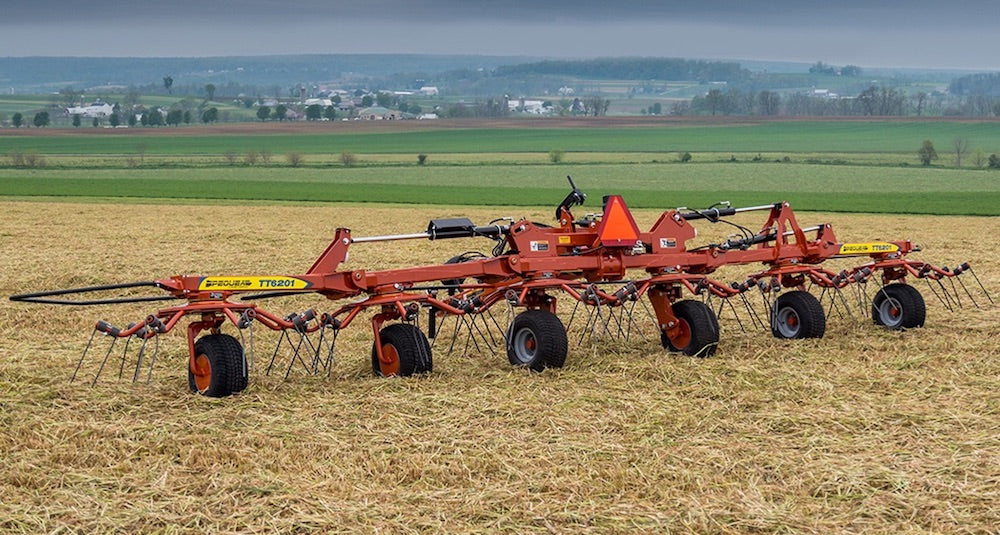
703	326
412	349
228	365
899	306
545	333
801	308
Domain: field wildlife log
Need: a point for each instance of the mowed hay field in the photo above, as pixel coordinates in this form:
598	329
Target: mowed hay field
862	431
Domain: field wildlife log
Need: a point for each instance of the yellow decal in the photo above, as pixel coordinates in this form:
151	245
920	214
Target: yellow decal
868	248
564	240
251	284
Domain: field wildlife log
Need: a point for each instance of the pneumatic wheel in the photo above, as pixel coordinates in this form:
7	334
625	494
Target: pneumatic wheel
219	368
899	306
537	340
405	351
698	331
798	314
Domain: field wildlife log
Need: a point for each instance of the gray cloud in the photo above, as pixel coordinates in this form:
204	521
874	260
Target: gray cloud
915	33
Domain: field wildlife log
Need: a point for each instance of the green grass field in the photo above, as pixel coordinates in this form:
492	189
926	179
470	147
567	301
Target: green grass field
840	188
781	137
833	166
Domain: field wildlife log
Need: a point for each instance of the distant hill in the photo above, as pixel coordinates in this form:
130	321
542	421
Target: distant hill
46	74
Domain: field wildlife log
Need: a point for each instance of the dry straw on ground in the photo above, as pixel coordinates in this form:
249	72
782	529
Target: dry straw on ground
862	431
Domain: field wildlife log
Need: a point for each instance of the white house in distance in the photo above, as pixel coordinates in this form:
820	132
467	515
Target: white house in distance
98	110
429	91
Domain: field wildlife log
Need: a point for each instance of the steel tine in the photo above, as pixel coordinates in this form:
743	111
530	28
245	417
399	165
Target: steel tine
296	356
103	362
987	294
330	359
138	360
121	369
79	363
958	300
945	295
274	355
967	292
152	359
572	315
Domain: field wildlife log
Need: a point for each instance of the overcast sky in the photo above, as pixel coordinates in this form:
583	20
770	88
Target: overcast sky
870	33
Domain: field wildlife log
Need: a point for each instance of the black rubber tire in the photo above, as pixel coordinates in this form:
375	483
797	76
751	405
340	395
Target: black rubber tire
412	351
899	306
537	340
227	366
698	320
798	314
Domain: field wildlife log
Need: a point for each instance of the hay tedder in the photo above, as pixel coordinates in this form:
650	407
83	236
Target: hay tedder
609	269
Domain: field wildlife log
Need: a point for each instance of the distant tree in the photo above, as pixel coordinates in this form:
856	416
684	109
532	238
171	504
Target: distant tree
850	70
17	120
421	159
314	112
384	99
713	100
656	109
168	82
921	98
348	159
335	99
993	162
265	155
76	119
69	96
294	159
280	112
263	113
961	146
768	102
684	158
366	101
155	117
96	122
330	112
210	91
187	117
115	120
822	68
131	120
927	154
597	106
556	155
415	109
144	118
210	115
41	119
174	117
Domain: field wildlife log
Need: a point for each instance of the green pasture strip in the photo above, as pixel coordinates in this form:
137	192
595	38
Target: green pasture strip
943	203
825	136
597	179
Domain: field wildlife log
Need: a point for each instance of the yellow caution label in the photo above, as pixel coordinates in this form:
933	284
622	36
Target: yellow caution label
564	240
252	284
868	248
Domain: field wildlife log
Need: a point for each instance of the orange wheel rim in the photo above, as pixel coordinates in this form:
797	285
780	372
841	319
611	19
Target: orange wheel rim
792	321
530	344
388	362
682	338
202	371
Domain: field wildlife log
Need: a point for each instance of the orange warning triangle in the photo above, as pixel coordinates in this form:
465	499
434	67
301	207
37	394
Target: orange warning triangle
617	228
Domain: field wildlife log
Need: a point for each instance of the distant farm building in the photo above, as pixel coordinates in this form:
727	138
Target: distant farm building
378	113
96	110
429	91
